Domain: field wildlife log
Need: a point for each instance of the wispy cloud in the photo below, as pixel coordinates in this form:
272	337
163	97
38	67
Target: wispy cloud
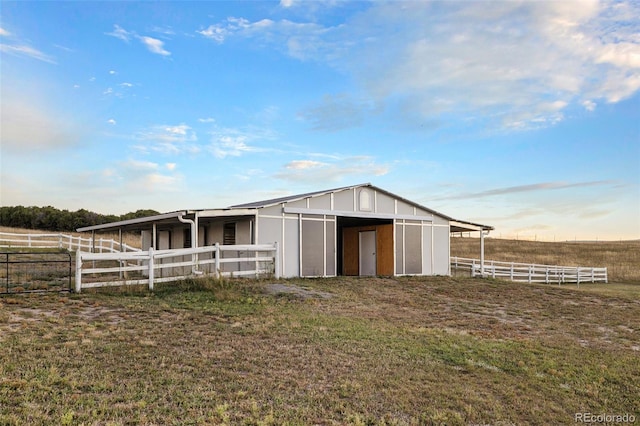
542	186
508	65
16	47
152	44
235	142
121	33
331	171
168	139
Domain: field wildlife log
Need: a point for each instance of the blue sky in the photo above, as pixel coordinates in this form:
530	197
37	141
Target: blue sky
522	115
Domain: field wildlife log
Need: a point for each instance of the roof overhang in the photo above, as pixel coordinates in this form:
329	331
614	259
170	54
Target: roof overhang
463	226
171	218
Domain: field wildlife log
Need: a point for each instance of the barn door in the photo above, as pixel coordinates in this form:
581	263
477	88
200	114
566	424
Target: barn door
367	250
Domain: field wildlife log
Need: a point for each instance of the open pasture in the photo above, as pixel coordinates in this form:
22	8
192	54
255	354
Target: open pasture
397	351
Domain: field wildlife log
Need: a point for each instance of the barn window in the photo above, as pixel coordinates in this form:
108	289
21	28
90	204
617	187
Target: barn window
186	232
229	234
365	200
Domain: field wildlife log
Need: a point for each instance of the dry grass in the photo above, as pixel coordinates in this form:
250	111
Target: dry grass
622	258
379	351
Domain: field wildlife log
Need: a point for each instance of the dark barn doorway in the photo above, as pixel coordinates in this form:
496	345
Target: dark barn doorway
348	233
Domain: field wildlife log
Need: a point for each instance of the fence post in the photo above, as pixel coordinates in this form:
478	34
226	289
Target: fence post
78	271
276	260
217	264
151	268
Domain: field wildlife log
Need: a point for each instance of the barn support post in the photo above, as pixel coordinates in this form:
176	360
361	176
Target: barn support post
482	253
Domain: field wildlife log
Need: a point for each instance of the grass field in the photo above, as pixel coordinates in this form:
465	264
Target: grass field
622	258
398	351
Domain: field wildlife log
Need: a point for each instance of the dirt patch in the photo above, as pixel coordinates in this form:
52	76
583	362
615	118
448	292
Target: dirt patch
296	291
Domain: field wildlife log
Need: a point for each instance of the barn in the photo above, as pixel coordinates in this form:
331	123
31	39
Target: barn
352	230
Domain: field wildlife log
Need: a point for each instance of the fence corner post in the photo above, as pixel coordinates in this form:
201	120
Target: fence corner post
151	269
78	270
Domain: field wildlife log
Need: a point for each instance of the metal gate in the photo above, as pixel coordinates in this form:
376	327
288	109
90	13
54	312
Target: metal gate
28	272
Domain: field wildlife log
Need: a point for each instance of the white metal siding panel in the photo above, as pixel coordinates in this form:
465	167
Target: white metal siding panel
330	247
404	208
441	250
312	248
146	240
399	235
385	204
291	248
243	232
413	249
437	220
216	234
427	253
321	202
343	201
271	211
298	203
270	230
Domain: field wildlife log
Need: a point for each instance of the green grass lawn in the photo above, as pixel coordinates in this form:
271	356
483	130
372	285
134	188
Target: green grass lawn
399	351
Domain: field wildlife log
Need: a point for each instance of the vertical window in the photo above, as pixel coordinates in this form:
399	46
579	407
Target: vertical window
365	200
229	234
187	237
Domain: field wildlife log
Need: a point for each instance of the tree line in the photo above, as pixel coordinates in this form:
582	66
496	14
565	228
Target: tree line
51	219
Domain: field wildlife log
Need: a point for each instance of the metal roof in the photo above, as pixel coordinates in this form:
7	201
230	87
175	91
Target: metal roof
247	208
276	201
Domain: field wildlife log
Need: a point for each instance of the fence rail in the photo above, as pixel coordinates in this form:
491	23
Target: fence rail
532	273
157	266
63	241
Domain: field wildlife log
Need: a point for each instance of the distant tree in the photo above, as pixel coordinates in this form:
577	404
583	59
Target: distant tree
52	219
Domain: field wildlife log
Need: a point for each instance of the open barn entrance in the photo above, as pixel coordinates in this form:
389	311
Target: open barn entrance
365	246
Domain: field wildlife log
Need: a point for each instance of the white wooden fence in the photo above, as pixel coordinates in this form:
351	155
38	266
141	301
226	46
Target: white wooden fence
156	266
532	273
69	242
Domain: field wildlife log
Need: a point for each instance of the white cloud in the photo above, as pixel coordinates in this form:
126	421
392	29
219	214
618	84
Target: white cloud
206	120
503	64
229	142
120	33
170	166
589	105
154	45
112	72
317	171
4	33
168	139
26	50
111	121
